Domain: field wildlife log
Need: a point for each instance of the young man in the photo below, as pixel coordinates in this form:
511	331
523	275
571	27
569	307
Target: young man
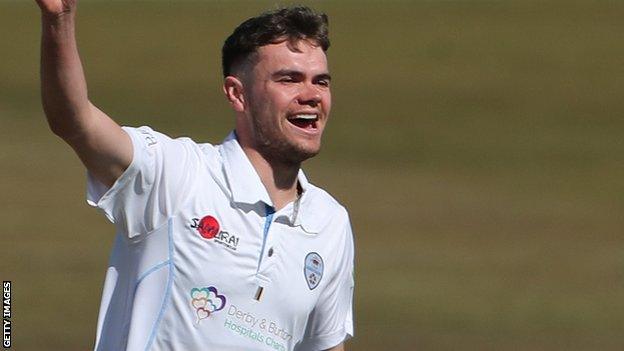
218	247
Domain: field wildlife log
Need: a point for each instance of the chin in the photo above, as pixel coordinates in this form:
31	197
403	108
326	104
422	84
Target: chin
297	156
308	150
304	155
292	154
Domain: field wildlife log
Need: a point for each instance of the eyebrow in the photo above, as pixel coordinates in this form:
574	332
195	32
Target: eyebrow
292	72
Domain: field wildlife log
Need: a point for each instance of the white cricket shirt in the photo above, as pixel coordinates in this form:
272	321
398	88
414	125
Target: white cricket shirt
201	261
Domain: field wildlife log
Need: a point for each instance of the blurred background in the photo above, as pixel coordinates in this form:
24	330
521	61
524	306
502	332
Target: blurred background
477	144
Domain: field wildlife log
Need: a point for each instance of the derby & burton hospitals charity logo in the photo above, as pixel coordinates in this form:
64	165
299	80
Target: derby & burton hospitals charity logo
313	269
206	301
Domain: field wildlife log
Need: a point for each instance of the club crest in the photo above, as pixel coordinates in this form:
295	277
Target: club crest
313	269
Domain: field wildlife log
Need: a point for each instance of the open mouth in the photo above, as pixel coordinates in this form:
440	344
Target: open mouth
304	121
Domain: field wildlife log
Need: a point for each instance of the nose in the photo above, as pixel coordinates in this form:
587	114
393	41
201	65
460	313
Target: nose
309	95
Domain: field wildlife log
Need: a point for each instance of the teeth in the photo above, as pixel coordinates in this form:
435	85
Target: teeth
304	117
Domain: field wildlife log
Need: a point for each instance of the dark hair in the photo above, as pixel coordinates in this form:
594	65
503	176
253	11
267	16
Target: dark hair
289	23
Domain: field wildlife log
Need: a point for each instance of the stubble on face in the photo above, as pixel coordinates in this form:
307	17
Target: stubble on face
274	147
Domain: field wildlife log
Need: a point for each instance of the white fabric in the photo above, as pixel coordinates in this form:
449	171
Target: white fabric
170	288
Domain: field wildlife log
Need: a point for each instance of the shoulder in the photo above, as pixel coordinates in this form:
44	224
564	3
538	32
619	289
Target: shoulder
146	137
320	196
324	211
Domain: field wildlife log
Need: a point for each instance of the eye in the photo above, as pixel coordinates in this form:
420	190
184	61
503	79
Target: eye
323	82
286	79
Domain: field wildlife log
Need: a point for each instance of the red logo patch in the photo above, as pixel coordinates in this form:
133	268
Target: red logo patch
208	227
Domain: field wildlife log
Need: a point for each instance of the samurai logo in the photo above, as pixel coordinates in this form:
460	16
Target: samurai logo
206	301
209	228
313	269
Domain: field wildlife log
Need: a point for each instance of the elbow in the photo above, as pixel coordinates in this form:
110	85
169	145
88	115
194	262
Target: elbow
67	125
57	130
61	130
65	132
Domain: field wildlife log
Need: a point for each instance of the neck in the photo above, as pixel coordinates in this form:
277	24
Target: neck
279	179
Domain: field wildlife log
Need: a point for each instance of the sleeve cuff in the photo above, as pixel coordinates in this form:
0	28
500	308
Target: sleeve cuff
327	341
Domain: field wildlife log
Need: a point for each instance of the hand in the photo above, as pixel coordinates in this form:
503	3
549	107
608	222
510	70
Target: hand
56	8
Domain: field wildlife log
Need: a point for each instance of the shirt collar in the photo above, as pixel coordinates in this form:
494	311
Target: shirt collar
242	179
307	211
246	187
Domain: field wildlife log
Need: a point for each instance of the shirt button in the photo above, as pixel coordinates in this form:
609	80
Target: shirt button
270	252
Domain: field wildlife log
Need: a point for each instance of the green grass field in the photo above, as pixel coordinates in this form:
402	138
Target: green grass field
477	144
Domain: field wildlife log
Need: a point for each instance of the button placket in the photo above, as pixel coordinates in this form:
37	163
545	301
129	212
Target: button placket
279	219
270	253
266	240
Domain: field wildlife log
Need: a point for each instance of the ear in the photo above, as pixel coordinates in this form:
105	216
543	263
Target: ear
234	93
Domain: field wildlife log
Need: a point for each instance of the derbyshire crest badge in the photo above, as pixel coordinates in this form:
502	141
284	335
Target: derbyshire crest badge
313	269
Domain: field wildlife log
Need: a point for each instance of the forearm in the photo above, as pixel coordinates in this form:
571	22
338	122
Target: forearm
63	84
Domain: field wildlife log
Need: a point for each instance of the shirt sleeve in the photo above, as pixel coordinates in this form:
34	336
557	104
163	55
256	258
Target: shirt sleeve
331	321
152	188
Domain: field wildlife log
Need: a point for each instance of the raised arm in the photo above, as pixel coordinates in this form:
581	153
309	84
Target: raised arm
104	148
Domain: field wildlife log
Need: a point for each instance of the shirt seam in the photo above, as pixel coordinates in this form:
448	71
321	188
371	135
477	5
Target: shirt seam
169	286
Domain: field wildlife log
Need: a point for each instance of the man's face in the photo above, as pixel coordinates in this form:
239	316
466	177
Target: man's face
288	100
